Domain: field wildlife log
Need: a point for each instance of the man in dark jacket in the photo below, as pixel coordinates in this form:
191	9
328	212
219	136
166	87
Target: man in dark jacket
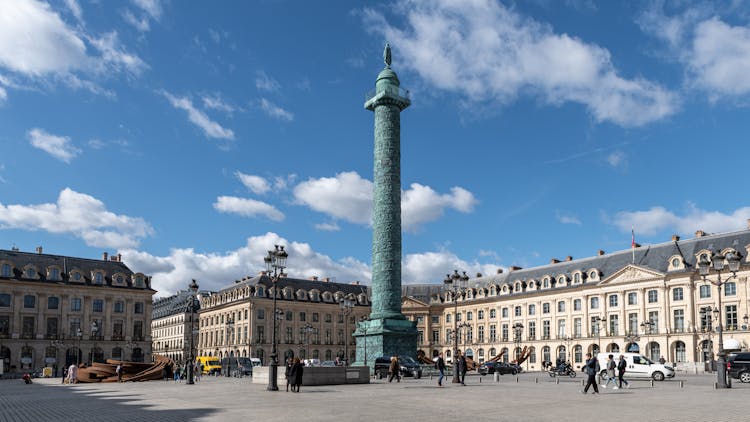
592	368
621	365
440	366
462	367
394	370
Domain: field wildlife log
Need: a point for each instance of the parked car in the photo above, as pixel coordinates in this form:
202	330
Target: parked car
408	367
738	366
501	368
638	366
328	363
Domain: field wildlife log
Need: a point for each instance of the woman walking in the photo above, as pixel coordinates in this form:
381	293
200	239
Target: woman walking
296	375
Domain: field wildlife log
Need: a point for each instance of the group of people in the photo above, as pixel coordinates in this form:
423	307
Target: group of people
293	373
180	373
592	368
463	367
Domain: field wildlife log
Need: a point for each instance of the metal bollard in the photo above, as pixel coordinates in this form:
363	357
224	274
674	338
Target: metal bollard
716	386
430	376
497	377
652	383
681	384
536	380
480	379
516	379
583	383
557	380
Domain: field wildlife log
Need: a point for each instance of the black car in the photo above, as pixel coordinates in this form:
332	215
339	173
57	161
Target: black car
408	367
501	368
738	366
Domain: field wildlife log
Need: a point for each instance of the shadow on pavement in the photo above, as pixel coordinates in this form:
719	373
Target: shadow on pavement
41	403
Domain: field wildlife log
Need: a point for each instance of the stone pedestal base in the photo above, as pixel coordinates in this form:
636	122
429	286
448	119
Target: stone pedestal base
384	337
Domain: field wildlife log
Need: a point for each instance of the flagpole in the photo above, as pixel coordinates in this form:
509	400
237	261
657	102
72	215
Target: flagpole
632	242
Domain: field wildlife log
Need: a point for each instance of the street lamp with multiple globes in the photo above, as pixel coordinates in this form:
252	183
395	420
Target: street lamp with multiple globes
598	320
708	316
307	330
275	263
517	332
79	335
191	308
94	330
229	341
346	308
455	284
648	327
364	325
704	267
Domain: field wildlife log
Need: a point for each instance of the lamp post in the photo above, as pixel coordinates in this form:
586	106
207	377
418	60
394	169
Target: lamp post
598	320
346	306
307	329
517	331
79	334
275	263
57	343
648	327
704	267
708	315
455	283
230	334
568	341
193	288
364	326
94	330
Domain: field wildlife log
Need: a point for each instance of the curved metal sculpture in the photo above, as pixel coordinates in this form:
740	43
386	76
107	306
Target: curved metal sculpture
131	371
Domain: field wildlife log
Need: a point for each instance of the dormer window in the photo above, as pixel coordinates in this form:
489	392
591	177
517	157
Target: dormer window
5	271
545	283
675	263
29	272
76	276
98	278
53	273
593	274
576	278
139	281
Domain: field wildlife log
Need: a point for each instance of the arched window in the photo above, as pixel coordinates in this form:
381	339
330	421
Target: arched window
504	354
329	354
562	353
546	354
680	352
532	355
493	352
578	353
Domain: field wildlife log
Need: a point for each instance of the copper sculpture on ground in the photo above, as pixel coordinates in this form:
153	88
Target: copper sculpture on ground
131	371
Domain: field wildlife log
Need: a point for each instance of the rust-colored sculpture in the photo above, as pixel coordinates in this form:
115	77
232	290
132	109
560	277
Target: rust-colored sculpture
131	371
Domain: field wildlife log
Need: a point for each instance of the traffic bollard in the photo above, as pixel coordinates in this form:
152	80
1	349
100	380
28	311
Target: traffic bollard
497	377
652	383
480	380
681	384
536	380
516	379
557	380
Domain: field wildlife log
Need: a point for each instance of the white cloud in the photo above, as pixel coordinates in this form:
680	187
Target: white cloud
75	9
568	219
215	102
266	83
658	219
80	215
257	184
617	159
152	7
348	196
247	208
275	111
328	227
214	271
37	44
142	24
716	55
3	94
59	147
2	168
487	52
431	267
197	117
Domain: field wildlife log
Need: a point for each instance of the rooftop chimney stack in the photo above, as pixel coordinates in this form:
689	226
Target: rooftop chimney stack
700	233
554	261
600	252
499	270
515	268
675	238
105	256
569	258
39	250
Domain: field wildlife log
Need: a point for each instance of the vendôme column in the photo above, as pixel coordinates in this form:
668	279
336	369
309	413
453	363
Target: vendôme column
387	333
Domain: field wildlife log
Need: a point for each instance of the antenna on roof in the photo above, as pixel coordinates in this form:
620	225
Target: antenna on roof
14	248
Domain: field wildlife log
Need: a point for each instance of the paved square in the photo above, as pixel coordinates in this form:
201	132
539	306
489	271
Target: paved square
230	399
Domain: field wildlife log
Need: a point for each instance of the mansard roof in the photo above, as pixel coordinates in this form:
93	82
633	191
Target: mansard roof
67	264
299	283
175	304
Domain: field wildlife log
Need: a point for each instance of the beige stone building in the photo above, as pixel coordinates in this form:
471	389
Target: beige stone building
58	310
650	299
170	325
238	320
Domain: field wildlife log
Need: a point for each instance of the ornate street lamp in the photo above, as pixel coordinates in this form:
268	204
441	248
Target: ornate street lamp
598	320
708	316
346	308
275	263
228	341
455	284
648	327
191	308
363	326
79	334
94	330
307	330
704	268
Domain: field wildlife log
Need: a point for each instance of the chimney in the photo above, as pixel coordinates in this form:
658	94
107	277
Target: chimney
515	268
600	252
568	258
314	278
637	245
700	233
119	257
675	238
554	261
104	256
355	282
39	250
499	270
479	275
327	279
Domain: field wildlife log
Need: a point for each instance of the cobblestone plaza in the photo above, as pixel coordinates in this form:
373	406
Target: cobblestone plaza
534	397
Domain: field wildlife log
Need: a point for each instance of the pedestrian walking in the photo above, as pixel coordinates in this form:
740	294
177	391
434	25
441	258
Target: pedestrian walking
394	370
118	371
296	374
621	365
592	368
177	374
611	373
462	367
64	374
288	374
440	366
73	374
662	360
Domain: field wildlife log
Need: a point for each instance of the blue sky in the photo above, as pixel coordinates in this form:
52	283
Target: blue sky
191	137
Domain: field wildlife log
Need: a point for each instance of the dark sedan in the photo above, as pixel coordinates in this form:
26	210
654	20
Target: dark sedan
501	368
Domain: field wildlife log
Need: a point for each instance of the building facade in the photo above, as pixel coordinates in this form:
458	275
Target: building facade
649	300
170	325
238	320
60	310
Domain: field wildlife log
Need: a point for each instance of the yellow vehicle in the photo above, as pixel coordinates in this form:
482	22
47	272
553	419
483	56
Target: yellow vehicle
210	364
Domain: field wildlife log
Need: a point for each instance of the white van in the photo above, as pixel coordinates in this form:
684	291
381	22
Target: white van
638	366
